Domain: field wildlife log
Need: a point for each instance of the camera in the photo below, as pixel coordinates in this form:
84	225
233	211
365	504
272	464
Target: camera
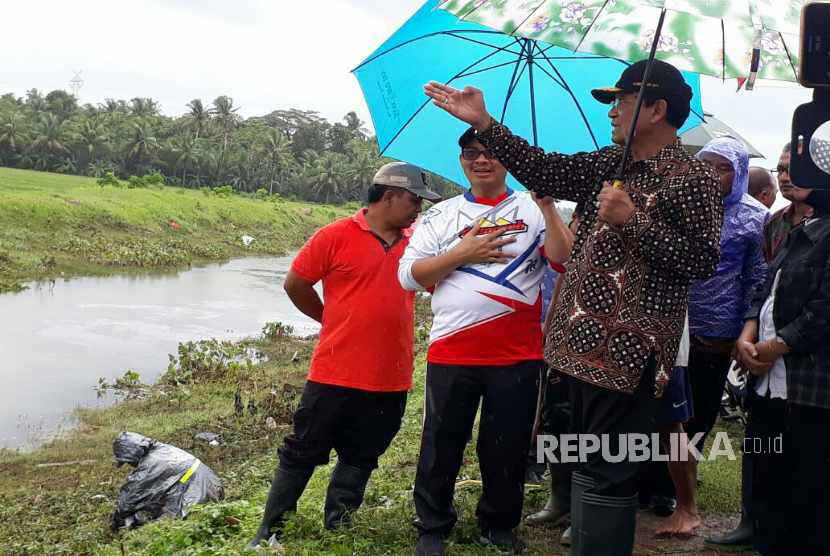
810	145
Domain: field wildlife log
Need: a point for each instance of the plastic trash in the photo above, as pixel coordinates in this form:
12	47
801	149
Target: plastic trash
208	437
247	240
166	481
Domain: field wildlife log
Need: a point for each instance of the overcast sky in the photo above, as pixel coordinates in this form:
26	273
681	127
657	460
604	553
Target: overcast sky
266	54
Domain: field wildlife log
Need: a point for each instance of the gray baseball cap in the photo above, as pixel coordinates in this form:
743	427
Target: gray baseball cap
406	176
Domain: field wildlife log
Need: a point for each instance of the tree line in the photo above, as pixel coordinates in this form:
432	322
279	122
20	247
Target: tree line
293	153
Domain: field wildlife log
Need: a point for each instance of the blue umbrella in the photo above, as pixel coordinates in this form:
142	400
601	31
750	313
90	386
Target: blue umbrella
540	91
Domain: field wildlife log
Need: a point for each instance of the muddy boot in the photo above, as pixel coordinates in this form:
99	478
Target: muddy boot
345	493
286	489
607	525
558	505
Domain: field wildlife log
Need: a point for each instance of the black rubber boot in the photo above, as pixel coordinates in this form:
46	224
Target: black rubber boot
345	493
743	533
579	484
286	488
608	525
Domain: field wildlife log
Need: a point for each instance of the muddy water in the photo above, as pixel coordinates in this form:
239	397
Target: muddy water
57	339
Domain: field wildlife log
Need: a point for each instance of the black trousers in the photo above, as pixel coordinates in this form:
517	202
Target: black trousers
767	420
597	411
453	394
359	426
791	487
707	373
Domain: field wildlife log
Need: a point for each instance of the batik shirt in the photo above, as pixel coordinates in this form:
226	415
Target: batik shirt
624	296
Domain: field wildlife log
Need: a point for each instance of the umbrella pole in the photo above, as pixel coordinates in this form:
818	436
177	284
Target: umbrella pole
618	179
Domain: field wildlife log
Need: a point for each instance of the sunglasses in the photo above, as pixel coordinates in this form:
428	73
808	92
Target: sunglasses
473	154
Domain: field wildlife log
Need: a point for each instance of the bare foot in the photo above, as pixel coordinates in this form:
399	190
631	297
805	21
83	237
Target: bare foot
680	524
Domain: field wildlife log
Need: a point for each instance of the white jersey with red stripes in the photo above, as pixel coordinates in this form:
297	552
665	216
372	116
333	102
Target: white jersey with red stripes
484	314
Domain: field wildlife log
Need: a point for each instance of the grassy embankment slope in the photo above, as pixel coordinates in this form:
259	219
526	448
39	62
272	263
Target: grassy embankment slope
55	225
65	509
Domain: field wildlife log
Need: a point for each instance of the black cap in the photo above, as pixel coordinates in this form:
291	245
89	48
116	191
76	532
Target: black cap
665	82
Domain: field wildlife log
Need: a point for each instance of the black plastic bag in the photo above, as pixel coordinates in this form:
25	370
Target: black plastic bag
166	481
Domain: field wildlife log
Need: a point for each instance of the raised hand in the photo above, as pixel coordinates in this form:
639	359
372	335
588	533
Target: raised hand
486	248
466	105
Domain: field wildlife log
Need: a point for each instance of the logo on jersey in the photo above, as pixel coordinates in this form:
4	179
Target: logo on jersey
500	224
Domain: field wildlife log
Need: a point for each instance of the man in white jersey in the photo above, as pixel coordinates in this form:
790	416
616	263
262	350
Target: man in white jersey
482	254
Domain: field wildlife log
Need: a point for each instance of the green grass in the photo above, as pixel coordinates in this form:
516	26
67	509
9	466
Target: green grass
55	225
51	510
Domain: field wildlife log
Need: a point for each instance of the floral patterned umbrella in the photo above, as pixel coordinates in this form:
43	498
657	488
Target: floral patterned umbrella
723	38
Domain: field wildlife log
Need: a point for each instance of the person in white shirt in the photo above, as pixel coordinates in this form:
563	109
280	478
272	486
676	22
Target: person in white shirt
482	256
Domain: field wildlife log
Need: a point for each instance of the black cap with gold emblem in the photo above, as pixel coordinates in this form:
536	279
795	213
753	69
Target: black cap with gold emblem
665	82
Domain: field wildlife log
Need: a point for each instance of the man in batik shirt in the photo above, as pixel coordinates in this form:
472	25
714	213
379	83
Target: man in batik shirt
617	326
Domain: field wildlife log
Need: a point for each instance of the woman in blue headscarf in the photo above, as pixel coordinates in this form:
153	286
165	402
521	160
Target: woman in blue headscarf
717	305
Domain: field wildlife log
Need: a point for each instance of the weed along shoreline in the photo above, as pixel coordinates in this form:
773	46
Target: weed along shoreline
54	225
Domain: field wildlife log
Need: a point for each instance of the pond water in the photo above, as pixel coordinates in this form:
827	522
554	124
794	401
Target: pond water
57	339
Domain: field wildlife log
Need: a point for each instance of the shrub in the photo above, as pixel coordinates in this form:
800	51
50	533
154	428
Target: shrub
223	191
135	182
275	330
261	193
109	179
154	178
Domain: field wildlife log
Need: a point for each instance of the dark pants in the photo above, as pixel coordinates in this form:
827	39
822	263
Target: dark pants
707	373
453	394
791	490
598	411
767	420
357	424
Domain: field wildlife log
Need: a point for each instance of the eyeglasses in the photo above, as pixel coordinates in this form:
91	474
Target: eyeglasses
622	100
473	154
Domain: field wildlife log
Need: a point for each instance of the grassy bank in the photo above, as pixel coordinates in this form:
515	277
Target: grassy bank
65	509
55	225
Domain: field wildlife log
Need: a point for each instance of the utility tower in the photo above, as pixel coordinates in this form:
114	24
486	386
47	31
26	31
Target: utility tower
76	83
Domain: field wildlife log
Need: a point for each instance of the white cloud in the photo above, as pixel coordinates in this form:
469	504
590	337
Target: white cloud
265	54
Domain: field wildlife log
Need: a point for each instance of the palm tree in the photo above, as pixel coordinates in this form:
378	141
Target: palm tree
226	118
142	145
363	163
355	124
11	133
142	107
49	136
328	177
198	117
277	150
111	107
90	136
186	151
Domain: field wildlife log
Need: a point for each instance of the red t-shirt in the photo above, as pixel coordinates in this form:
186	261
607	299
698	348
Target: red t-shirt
367	333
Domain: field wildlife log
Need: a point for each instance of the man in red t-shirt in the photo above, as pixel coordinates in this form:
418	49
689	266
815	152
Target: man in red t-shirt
361	370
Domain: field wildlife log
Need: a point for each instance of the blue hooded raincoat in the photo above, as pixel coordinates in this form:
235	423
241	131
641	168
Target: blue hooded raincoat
717	304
